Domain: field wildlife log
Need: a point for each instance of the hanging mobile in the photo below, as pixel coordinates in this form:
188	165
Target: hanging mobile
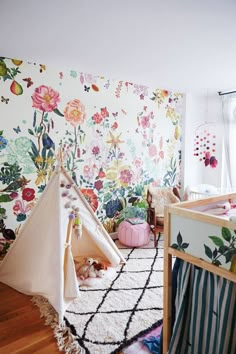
205	143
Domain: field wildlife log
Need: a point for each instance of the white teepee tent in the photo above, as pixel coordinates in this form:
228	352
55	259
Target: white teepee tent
41	259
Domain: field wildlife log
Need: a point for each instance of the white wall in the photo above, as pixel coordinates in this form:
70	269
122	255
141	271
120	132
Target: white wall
177	45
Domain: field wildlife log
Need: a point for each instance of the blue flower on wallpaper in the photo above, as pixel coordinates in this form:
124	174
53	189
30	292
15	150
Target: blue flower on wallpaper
3	142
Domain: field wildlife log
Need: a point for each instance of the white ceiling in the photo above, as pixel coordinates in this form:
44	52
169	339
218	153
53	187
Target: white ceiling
186	45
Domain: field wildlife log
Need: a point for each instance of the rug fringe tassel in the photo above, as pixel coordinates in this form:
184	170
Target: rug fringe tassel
66	341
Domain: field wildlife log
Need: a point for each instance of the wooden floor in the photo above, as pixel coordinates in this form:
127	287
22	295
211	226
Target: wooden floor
21	328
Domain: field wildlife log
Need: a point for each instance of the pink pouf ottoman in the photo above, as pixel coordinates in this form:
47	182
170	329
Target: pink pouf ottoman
133	235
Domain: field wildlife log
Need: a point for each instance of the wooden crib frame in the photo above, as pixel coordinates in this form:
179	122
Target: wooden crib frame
179	217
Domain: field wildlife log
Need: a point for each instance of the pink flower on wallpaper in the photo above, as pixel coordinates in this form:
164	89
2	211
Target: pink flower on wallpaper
101	173
125	176
75	112
104	112
17	206
45	98
13	195
20	207
97	118
152	150
114	126
137	163
95	150
145	122
98	185
87	171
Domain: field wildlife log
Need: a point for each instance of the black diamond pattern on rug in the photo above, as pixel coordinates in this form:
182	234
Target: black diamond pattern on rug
113	313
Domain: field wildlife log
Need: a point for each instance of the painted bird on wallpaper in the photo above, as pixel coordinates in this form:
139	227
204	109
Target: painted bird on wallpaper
20	183
47	142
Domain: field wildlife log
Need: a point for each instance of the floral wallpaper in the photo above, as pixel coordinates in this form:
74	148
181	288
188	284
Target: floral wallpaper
116	137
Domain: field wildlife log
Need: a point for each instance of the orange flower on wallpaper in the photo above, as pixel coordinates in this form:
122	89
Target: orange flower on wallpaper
45	98
91	197
75	112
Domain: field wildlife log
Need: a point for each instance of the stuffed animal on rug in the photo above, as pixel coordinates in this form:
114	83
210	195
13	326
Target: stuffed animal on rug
82	271
97	270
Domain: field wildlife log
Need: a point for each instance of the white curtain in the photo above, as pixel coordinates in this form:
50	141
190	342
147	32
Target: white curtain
229	139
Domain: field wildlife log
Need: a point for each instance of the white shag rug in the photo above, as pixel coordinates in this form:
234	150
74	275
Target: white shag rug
112	313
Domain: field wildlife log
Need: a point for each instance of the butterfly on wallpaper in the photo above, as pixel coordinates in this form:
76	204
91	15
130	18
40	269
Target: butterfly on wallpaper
17	130
5	100
29	81
86	88
99	132
42	68
107	84
115	114
61	75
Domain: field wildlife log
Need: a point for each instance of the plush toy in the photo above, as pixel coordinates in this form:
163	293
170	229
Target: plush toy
97	270
99	266
100	273
83	270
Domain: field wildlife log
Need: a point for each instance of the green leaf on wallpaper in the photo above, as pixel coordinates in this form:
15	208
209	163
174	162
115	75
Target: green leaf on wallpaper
214	253
1	132
106	197
45	118
217	241
34	119
44	151
30	131
2	212
185	245
7	77
5	198
223	249
39	129
50	153
208	251
179	239
15	71
34	149
217	262
226	234
56	110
